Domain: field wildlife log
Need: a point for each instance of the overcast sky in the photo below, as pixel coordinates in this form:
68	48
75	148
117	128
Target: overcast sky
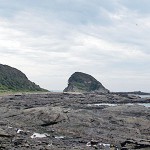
49	40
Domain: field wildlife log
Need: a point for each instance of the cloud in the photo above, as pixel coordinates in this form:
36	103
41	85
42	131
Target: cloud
51	40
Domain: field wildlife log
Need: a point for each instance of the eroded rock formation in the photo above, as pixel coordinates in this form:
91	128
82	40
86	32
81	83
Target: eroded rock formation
82	82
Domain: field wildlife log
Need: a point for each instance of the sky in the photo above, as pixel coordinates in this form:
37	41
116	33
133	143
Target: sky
49	40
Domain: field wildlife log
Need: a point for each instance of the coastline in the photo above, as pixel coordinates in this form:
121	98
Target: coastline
68	117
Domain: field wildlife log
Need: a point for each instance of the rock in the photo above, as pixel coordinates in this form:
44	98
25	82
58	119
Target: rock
67	121
135	144
18	141
92	143
81	82
3	133
45	116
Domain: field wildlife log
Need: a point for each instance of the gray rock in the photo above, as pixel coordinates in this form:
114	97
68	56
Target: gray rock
69	122
3	133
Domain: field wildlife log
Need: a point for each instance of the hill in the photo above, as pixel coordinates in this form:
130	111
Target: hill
12	79
82	82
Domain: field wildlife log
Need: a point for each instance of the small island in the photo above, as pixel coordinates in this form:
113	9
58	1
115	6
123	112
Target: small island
82	82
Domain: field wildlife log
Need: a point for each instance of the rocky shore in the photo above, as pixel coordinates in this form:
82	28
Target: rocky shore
73	121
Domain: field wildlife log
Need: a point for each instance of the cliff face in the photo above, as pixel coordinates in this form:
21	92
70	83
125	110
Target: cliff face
14	80
81	82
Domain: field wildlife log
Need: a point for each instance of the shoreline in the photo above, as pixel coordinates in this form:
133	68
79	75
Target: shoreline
65	121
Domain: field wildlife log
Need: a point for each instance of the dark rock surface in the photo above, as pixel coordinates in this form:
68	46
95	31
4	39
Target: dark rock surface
65	121
12	79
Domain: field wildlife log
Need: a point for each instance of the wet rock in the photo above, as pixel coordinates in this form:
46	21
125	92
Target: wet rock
135	144
18	141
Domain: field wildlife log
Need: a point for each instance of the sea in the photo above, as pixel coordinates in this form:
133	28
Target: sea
108	104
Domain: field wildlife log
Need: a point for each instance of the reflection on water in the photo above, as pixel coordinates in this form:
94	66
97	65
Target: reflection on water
102	104
145	104
144	96
109	104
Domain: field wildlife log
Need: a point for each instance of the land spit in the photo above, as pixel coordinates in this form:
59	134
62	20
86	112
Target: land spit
62	121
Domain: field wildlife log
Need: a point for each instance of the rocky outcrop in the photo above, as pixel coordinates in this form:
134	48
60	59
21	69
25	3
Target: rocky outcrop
12	79
82	82
59	121
136	144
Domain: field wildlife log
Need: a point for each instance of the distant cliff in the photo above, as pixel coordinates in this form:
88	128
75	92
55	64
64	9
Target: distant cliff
82	82
12	79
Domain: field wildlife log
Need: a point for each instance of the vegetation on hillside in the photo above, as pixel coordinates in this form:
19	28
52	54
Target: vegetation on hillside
12	79
83	82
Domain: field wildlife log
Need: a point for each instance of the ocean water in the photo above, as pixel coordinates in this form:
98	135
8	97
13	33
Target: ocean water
144	96
108	104
145	104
